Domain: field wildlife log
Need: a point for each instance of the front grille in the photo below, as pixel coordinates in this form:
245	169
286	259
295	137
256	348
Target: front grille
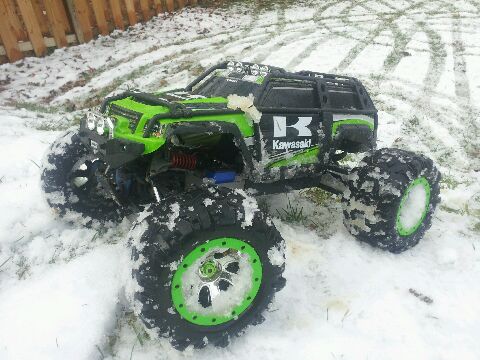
133	116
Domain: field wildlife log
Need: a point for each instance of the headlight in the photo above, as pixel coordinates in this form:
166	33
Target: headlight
100	126
264	70
91	121
239	67
100	123
111	127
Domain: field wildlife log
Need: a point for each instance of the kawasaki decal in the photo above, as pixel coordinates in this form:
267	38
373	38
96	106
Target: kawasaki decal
283	134
286	145
280	126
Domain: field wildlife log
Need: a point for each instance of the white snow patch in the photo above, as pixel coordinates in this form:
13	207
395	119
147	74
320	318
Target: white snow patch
276	255
250	207
65	311
207	202
175	213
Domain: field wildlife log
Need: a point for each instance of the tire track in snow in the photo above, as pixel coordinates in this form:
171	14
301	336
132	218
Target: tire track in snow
198	52
471	131
400	42
385	20
238	35
437	57
306	52
435	70
281	21
317	16
436	128
462	86
266	39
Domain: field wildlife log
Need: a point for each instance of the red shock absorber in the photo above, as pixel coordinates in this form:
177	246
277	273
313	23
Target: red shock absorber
183	161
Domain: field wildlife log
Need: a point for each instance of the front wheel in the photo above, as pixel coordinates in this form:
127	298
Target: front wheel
391	199
206	266
70	183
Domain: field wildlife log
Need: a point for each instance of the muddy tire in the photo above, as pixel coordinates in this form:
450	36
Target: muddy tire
70	185
206	266
391	199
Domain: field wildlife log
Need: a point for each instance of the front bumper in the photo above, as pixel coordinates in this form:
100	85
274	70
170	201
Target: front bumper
114	152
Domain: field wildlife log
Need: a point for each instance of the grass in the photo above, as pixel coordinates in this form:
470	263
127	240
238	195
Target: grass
292	214
50	126
141	334
318	196
259	5
131	320
476	227
449	182
465	210
35	107
23	267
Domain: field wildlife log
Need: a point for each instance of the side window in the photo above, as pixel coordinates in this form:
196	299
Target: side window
344	99
291	95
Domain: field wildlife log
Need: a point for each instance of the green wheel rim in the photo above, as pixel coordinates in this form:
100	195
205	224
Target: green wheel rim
406	230
207	271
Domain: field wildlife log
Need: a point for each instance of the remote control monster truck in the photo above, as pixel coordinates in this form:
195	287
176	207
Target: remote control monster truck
206	260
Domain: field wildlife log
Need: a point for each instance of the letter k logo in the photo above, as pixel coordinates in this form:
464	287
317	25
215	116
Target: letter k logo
280	126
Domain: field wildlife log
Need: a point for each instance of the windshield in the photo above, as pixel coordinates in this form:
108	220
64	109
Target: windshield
220	85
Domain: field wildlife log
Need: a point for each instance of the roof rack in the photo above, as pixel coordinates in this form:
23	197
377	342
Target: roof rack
240	66
339	78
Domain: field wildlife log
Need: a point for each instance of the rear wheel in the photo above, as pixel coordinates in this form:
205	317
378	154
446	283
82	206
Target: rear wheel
206	266
391	199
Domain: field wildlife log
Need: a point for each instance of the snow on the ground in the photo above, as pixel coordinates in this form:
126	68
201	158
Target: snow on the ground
61	286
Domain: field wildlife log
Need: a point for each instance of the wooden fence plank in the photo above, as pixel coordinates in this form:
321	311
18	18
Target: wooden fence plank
132	14
99	10
170	5
117	14
82	13
41	17
56	25
145	7
76	24
181	4
63	15
8	34
158	6
15	22
33	27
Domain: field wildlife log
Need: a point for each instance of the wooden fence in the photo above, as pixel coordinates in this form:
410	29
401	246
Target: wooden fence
31	27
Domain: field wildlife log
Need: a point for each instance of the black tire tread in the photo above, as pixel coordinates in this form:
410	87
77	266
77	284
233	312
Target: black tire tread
57	164
397	169
160	245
